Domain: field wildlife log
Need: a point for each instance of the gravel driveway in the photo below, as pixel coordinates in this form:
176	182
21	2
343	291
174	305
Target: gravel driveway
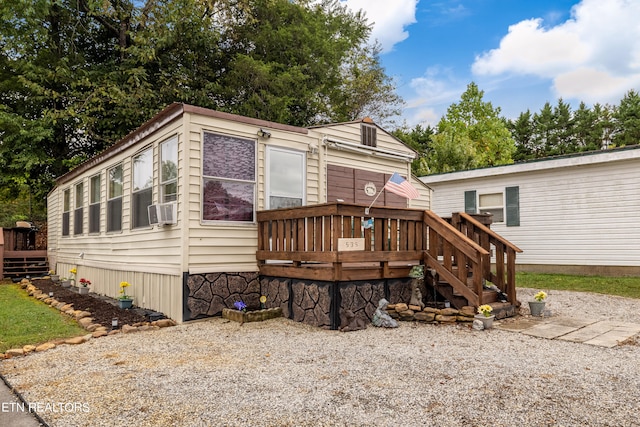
281	373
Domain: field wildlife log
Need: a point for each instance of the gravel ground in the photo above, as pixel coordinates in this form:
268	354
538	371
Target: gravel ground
282	373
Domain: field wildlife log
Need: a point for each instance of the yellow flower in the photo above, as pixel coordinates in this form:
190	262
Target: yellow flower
540	296
73	271
124	285
485	310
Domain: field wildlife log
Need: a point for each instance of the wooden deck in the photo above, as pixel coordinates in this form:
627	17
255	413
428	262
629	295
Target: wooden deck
341	242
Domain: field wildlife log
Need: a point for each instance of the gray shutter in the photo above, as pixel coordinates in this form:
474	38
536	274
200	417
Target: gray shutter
470	202
513	206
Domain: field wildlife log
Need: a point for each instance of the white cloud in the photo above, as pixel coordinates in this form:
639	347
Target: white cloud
389	19
594	56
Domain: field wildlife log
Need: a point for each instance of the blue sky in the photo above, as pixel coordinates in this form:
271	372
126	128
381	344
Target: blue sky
522	53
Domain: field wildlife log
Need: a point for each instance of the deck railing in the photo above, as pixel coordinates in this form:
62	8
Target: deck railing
338	242
384	243
505	252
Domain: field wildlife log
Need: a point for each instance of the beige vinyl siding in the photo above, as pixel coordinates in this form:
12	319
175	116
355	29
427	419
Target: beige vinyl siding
569	215
147	257
227	246
54	227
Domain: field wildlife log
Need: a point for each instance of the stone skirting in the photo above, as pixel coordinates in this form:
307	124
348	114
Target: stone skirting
207	294
322	304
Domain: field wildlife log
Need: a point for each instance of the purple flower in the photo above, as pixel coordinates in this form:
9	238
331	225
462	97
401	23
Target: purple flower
240	305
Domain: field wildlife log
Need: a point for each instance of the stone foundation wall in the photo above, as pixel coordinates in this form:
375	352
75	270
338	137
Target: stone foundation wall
207	294
322	304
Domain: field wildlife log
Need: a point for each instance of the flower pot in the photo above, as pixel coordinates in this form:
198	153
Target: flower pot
66	283
125	303
55	278
536	307
487	322
83	290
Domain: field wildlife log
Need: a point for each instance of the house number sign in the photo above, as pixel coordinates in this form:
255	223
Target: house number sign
351	244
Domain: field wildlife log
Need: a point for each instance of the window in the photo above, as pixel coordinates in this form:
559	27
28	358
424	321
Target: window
492	203
229	182
94	204
142	195
368	135
78	212
499	204
285	178
114	199
169	170
66	209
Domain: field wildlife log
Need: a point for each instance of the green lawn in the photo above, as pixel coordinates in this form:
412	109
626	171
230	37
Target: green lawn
25	320
623	286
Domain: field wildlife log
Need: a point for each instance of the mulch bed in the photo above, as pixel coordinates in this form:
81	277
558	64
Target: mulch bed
102	309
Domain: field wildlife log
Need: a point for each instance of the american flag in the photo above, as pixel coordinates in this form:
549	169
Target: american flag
401	187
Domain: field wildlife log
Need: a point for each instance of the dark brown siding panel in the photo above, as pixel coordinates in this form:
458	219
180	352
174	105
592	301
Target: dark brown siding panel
348	184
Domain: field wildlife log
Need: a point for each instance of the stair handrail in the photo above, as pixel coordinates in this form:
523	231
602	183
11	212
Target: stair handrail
476	255
503	246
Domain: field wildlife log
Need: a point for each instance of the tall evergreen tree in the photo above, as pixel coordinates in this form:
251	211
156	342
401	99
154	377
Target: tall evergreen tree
627	119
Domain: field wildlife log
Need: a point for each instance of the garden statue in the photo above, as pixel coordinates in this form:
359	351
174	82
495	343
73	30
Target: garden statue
381	318
416	295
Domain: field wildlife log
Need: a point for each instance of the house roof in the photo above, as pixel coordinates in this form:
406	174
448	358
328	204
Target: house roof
164	117
547	163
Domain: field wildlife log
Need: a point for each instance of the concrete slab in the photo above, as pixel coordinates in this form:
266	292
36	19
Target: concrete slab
13	412
549	330
587	333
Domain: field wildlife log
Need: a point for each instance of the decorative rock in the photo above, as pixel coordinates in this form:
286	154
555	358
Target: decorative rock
391	307
401	307
449	312
415	307
92	327
477	325
85	321
114	332
424	317
14	352
44	347
468	311
98	334
406	314
75	340
126	329
28	348
464	318
66	307
163	323
431	310
445	319
381	318
81	314
351	322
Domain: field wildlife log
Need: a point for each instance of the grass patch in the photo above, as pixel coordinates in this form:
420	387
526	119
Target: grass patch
622	286
25	320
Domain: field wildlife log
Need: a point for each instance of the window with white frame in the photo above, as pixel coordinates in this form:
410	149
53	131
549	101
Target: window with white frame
285	178
78	212
492	203
142	190
66	211
169	170
114	199
94	204
229	178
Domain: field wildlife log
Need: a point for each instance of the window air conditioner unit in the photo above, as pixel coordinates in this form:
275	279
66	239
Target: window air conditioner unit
163	214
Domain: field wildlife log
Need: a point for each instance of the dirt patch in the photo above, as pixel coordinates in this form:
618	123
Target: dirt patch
102	309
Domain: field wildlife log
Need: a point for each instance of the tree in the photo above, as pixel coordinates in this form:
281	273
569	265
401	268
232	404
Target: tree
418	138
522	131
77	75
470	135
628	120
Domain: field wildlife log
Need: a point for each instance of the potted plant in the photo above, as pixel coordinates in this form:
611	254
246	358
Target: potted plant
54	277
84	286
124	300
537	305
485	316
73	273
65	282
241	313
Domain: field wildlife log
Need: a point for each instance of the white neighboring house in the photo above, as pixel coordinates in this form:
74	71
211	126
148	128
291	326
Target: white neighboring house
569	214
